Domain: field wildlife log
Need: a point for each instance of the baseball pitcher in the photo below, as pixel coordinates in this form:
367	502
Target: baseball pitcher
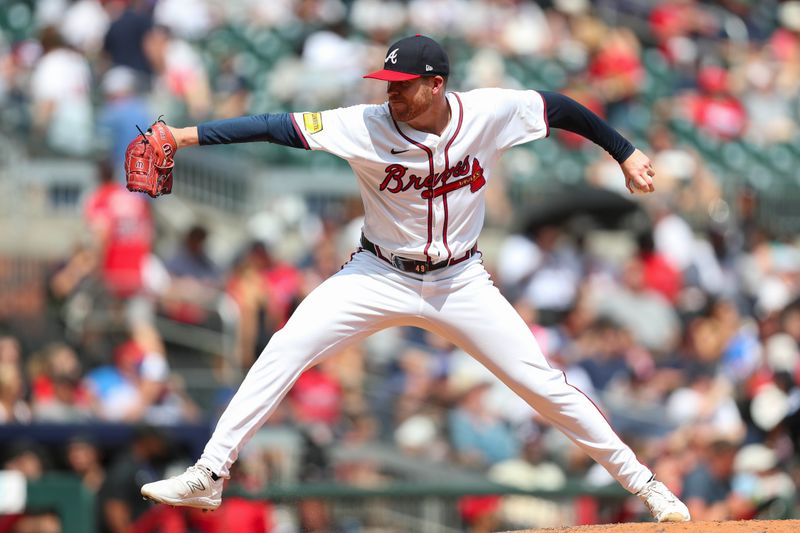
422	160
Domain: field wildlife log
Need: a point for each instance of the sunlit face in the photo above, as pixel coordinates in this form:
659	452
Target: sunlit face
410	99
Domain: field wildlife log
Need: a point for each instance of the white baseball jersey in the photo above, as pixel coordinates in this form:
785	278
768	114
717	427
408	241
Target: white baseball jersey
423	193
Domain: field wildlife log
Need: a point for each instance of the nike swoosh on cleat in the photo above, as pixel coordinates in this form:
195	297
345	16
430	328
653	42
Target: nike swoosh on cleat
395	152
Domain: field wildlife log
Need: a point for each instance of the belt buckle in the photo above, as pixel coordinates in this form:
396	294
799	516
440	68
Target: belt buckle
420	267
400	263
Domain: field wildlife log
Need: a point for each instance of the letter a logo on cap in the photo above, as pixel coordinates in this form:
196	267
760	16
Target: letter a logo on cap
411	58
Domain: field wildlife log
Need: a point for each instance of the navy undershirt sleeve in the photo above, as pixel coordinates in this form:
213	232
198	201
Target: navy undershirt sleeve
565	113
275	128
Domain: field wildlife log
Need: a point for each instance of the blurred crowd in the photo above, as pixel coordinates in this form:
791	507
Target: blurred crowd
71	66
681	322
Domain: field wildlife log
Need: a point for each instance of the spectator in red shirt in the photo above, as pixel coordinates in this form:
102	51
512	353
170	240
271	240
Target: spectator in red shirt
59	393
123	228
615	71
266	291
317	397
715	109
235	514
658	273
674	25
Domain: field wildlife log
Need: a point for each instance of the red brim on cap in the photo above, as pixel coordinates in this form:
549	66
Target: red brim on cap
392	75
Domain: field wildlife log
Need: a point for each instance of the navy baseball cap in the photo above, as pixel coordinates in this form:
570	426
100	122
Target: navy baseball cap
411	58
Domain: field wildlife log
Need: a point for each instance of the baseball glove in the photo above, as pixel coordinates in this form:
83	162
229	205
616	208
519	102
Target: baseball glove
149	160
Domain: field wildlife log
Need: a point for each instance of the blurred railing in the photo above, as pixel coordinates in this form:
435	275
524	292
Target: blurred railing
22	292
94	311
215	180
203	339
398	506
42	198
427	507
219	177
222	178
40	202
53	436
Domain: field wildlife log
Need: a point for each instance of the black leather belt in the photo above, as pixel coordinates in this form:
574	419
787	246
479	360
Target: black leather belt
412	265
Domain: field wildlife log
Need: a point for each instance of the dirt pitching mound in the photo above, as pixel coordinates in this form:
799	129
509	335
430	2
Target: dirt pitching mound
744	526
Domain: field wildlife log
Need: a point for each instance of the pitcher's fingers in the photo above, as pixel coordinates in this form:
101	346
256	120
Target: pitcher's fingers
649	183
643	183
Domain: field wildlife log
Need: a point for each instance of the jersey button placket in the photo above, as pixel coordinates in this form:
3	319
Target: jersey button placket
438	206
429	287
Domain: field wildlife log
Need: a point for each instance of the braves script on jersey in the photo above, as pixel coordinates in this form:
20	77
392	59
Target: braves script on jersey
423	193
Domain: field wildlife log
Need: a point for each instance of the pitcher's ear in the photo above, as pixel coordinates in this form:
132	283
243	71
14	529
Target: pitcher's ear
439	83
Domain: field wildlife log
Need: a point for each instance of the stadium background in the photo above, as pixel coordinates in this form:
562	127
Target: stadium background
677	313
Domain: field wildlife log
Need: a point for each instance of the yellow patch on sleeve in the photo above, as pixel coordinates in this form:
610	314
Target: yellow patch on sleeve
312	122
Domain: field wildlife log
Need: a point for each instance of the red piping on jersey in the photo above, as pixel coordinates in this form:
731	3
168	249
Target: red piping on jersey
379	254
358	250
299	132
430	200
546	123
447	165
465	256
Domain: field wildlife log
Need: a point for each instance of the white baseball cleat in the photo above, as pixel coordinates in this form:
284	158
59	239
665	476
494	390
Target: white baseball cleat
664	506
194	488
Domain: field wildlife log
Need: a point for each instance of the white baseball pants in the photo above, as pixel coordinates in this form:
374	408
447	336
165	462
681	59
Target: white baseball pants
461	304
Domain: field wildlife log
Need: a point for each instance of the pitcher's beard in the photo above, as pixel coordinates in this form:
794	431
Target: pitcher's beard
400	112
